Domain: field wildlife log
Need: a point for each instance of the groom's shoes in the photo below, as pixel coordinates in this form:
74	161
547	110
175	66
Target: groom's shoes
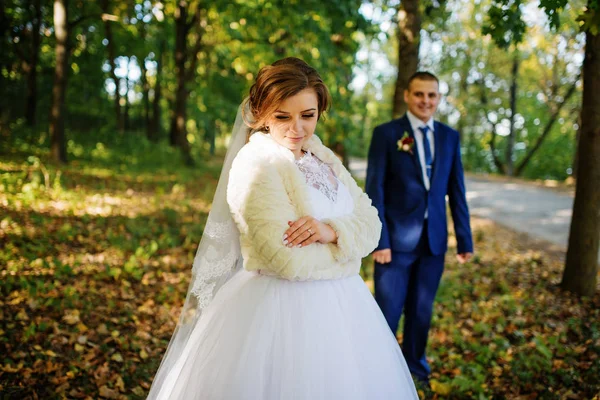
423	385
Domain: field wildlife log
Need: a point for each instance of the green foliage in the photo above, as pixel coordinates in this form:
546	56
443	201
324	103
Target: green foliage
505	23
590	20
506	26
239	38
553	8
478	78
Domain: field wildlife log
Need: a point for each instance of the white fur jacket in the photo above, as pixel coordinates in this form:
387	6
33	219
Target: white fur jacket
266	189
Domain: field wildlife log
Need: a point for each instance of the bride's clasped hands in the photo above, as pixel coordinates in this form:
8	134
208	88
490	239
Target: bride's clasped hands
308	230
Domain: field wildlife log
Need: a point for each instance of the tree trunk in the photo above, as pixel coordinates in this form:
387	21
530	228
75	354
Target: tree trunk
126	97
576	153
178	135
510	143
110	48
4	32
4	21
339	148
409	40
57	117
31	105
463	88
155	130
146	97
581	267
210	136
178	120
145	86
484	102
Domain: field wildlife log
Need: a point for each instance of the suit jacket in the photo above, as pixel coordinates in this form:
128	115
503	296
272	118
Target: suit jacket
266	189
395	185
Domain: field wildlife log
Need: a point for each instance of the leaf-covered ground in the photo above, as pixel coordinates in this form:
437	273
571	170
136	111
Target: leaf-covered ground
503	329
95	261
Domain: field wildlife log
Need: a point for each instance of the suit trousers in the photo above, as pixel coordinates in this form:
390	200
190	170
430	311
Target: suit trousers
409	284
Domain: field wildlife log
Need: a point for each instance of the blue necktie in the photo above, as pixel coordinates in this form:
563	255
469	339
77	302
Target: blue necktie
427	148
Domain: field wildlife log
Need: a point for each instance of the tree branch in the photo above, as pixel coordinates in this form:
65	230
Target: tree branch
200	30
497	162
19	51
77	21
484	101
547	128
195	18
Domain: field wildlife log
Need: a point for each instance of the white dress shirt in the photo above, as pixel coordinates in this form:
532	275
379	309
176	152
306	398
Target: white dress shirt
415	124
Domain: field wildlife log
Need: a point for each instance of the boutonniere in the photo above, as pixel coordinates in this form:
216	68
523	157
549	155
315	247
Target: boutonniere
406	143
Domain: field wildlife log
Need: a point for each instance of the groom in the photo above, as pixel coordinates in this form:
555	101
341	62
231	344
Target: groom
414	162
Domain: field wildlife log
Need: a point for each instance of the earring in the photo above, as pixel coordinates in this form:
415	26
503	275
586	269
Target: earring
266	128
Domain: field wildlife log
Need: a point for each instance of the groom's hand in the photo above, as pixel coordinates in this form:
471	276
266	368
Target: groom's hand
463	257
383	256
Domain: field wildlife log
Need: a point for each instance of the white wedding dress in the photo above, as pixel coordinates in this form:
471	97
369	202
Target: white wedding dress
266	338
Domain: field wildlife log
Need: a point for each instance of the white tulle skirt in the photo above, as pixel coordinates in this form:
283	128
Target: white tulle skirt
265	338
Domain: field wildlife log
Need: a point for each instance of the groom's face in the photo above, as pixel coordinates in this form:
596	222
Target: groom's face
422	98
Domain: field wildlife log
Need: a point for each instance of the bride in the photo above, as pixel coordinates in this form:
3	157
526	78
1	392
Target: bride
276	308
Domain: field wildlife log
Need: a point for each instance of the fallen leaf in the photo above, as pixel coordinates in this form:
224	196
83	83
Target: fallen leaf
102	329
50	353
120	384
138	391
440	388
108	393
71	317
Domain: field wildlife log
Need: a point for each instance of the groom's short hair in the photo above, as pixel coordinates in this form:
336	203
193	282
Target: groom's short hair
423	76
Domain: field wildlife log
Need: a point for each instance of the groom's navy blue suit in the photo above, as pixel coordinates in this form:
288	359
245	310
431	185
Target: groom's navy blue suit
396	186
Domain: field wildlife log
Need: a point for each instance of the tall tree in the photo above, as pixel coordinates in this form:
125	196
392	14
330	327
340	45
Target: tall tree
26	36
145	85
126	97
145	96
189	21
109	19
581	268
155	123
409	40
32	63
63	28
58	145
510	143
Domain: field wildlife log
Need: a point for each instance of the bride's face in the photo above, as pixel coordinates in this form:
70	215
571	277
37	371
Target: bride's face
295	120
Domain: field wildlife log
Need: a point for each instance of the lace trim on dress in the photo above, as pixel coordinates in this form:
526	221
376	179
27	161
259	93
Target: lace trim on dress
217	260
319	175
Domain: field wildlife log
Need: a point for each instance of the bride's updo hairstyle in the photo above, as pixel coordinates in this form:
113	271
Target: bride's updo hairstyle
278	81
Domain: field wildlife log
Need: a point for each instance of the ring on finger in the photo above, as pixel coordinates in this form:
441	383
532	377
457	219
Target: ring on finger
310	231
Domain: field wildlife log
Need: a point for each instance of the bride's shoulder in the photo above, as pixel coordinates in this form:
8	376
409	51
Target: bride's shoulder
261	150
250	155
254	162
